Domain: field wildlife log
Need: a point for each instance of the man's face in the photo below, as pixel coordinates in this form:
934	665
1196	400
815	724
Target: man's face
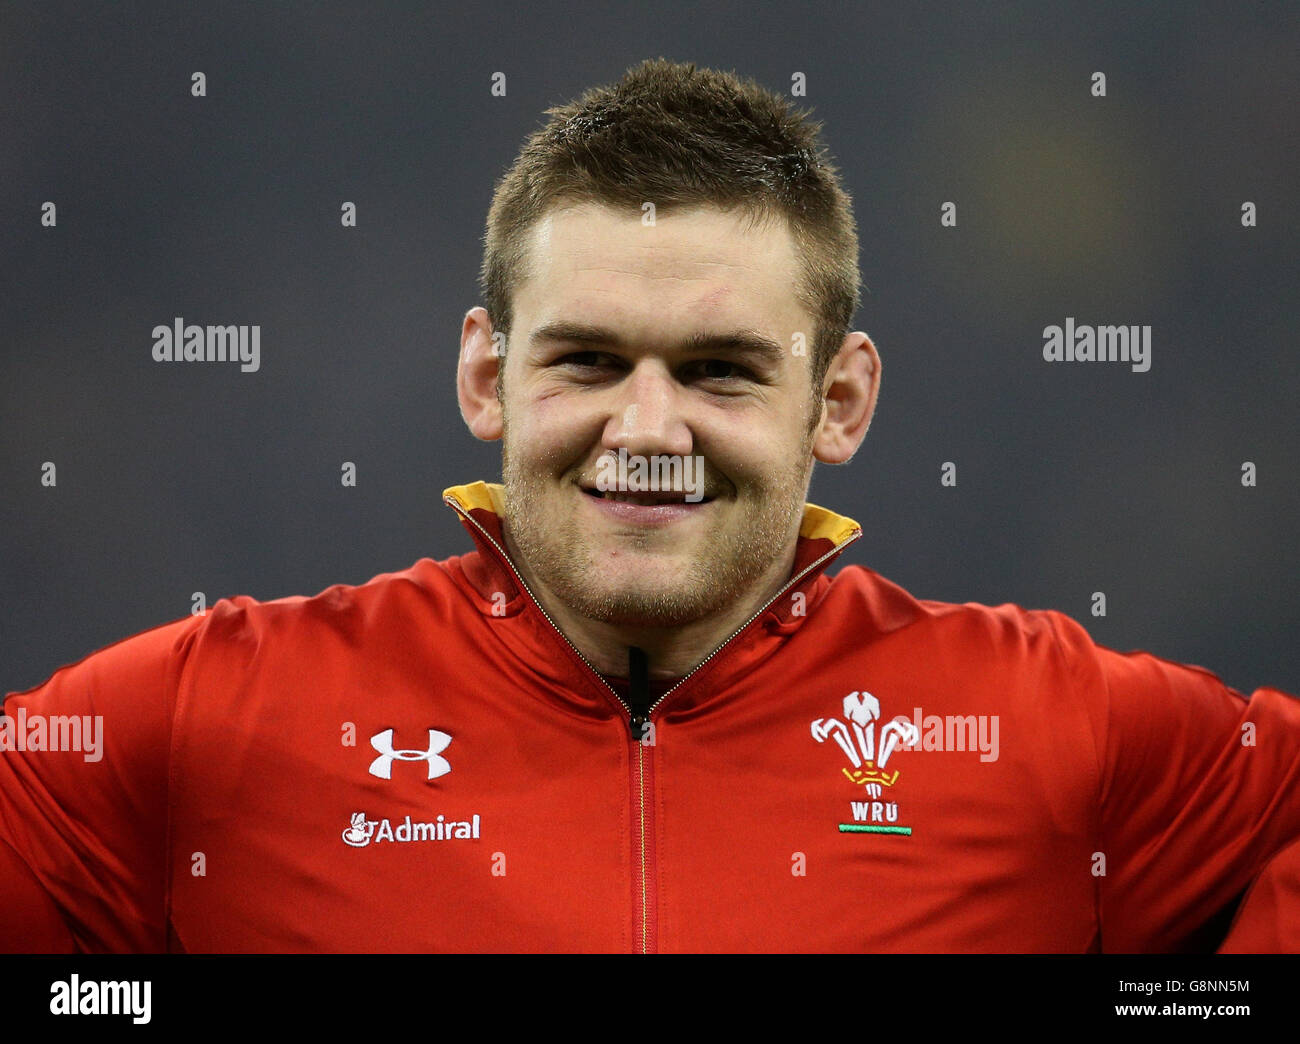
601	358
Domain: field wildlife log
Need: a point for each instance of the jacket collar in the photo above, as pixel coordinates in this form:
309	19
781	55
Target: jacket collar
499	591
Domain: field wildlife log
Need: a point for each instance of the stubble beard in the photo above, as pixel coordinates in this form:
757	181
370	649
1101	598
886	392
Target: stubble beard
720	573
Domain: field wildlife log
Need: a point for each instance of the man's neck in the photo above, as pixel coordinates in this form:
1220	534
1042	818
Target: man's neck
671	651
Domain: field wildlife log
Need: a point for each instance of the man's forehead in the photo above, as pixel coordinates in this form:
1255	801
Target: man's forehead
587	229
704	264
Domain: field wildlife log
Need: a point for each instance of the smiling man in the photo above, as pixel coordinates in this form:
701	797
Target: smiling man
673	340
648	718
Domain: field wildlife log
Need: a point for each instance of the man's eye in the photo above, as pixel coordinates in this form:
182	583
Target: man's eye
584	360
720	370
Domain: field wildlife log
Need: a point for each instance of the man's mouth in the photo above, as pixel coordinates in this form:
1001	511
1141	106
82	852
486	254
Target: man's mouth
650	498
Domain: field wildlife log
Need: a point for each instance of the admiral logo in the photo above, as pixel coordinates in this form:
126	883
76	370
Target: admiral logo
362	831
868	754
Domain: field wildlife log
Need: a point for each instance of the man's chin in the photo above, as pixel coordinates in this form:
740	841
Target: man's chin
639	603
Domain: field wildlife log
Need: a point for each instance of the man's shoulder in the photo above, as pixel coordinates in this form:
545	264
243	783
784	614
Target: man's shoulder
1007	637
890	609
423	593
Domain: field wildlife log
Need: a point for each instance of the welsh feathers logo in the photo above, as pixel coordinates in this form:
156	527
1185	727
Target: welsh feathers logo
867	752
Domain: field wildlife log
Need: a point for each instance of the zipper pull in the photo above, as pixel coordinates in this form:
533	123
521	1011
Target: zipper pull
638	694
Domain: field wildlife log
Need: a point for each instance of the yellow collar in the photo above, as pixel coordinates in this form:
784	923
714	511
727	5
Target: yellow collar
819	523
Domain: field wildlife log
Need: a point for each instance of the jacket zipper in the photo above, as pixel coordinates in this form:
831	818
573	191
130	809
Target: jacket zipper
645	839
644	776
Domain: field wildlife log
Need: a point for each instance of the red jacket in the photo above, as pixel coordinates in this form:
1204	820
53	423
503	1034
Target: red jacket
424	763
1269	918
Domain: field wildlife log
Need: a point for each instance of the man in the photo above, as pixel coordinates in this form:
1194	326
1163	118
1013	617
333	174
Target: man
640	715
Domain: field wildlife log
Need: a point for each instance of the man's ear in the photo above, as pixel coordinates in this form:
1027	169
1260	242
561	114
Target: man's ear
476	375
849	390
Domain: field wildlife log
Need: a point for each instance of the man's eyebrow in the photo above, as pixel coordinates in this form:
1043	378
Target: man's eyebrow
749	342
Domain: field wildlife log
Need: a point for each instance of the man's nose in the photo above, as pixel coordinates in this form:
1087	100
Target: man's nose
646	416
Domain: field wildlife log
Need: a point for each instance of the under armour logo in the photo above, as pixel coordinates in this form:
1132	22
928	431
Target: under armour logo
382	766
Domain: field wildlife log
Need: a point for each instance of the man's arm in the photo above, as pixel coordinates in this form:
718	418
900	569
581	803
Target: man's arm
1199	787
1269	918
83	832
29	920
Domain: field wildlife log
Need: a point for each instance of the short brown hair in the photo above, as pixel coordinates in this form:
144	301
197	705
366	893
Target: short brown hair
681	137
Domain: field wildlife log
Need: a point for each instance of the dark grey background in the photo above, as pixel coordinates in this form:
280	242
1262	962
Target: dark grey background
1072	478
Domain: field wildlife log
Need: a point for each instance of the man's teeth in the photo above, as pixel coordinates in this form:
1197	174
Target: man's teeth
640	498
654	499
